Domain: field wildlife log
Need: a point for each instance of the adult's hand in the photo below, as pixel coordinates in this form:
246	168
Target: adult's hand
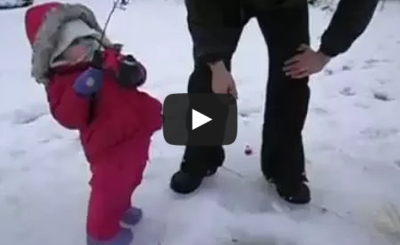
306	63
222	81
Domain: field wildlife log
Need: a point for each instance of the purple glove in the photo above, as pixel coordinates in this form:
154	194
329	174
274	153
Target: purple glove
89	82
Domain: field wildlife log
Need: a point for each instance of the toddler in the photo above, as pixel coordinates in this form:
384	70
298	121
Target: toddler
92	87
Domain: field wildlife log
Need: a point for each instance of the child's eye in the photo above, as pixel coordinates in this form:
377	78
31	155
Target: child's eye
75	42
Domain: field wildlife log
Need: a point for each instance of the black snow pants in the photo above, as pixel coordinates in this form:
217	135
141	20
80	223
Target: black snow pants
286	104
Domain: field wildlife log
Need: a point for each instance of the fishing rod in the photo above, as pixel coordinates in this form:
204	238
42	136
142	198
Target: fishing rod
98	57
117	4
129	72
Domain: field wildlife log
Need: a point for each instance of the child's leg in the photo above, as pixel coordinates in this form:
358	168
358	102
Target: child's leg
113	182
132	215
107	200
134	163
133	177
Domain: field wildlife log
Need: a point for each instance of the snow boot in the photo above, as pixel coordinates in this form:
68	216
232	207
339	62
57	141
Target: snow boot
185	183
132	216
124	237
197	164
212	171
215	161
272	180
299	194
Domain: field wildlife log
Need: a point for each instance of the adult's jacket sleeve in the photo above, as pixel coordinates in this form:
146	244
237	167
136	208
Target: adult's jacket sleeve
349	21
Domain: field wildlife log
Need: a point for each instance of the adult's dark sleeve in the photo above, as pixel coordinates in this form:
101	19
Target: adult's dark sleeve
213	24
349	21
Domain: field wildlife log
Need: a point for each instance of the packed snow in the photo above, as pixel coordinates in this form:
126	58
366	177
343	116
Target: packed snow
352	140
13	3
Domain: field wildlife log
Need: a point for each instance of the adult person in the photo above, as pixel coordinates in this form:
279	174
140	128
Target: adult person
215	27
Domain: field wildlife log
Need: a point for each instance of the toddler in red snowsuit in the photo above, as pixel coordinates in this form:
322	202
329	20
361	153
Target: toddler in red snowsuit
115	120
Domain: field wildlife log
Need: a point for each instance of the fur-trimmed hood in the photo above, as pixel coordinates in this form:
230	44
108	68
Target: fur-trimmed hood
43	24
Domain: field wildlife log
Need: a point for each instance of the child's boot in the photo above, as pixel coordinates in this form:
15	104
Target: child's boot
124	237
132	216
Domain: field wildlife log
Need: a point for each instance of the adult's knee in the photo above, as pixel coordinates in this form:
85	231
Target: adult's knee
200	79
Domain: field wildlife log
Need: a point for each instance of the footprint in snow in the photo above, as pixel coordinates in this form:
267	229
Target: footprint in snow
24	117
383	81
382	96
379	133
370	63
346	67
17	153
245	113
347	91
362	105
50	138
240	236
397	163
267	240
328	72
320	111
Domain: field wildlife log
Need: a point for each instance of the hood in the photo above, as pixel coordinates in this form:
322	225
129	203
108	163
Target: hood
46	29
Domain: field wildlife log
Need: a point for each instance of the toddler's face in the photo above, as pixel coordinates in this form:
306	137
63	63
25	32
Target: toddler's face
75	52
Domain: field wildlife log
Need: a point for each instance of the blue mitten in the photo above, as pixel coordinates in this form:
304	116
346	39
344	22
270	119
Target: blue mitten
89	82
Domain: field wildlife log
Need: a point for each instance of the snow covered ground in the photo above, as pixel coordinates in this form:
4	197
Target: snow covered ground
352	139
14	3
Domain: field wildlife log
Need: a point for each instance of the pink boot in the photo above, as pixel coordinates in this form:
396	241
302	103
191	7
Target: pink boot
132	216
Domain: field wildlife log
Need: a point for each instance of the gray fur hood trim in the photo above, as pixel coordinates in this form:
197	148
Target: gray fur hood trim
48	33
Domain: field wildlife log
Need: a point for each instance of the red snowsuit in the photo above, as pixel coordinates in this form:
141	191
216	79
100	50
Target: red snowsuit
116	142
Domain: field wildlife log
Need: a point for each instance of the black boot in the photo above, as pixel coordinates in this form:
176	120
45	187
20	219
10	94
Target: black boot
268	172
216	158
295	194
197	165
211	171
185	183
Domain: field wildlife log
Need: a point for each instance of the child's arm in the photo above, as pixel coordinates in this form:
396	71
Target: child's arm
70	100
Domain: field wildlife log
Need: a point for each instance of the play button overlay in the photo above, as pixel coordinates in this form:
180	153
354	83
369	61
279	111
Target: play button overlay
200	119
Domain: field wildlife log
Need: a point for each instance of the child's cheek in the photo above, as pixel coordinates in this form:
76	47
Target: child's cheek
75	52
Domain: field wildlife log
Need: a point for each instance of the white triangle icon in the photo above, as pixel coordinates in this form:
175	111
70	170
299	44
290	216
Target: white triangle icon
199	119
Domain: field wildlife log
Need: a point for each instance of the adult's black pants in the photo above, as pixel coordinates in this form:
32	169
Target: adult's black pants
286	104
